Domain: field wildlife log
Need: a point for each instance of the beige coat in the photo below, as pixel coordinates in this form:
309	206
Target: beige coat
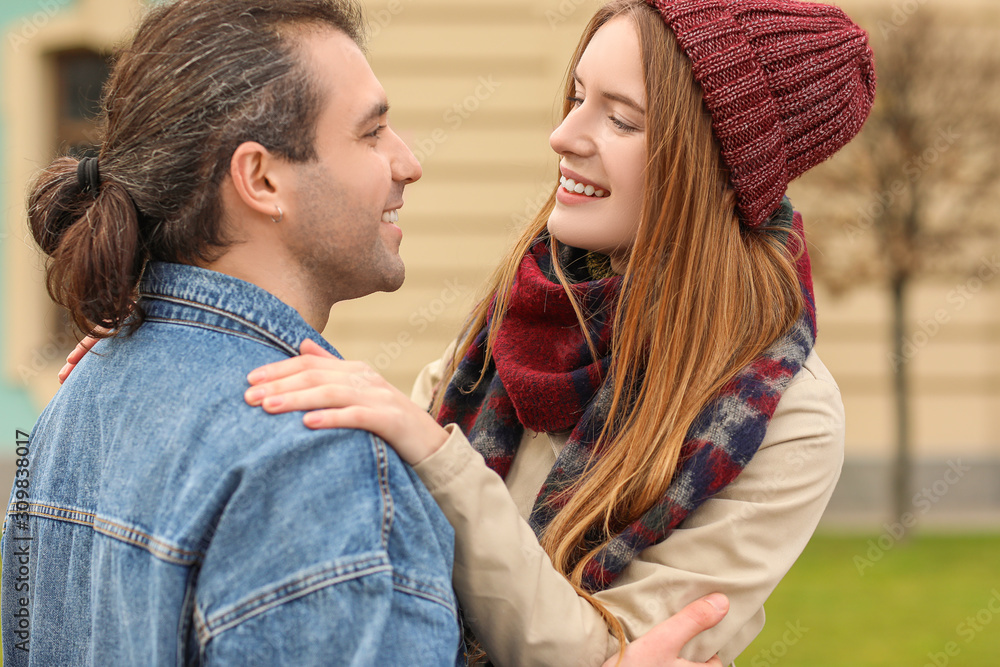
741	542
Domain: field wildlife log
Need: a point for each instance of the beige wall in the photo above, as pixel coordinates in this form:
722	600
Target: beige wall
475	90
34	352
487	165
492	168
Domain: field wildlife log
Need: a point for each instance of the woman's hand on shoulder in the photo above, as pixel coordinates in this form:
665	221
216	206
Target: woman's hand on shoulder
345	394
78	353
661	646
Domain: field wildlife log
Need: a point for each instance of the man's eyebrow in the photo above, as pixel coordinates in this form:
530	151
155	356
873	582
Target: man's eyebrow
377	110
617	97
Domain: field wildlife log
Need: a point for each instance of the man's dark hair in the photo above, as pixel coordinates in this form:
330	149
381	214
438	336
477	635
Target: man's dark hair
199	78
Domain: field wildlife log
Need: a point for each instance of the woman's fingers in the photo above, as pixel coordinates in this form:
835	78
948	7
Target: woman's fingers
345	394
82	348
355	416
332	376
313	398
313	357
65	371
310	346
306	379
286	367
78	353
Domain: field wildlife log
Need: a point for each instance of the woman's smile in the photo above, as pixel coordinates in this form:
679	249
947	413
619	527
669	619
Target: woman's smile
573	182
599	201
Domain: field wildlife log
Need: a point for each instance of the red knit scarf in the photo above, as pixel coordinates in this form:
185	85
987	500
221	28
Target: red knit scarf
542	376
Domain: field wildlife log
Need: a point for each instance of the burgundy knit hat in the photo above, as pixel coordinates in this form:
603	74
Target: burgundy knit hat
788	84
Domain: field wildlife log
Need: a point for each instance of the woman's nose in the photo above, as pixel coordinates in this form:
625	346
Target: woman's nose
573	135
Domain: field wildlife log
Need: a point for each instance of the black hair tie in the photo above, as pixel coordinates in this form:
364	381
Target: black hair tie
88	175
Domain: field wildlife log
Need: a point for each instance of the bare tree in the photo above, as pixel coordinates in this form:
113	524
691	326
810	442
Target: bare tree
913	196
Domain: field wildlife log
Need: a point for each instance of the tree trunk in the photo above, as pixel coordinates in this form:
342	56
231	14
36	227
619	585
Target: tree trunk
901	386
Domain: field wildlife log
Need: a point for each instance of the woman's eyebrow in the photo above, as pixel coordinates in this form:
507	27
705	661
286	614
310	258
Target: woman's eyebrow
628	101
616	97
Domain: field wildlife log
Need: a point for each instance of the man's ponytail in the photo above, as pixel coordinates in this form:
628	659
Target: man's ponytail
90	233
198	79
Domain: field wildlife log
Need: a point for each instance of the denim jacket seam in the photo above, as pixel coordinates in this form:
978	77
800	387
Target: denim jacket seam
425	590
388	508
289	590
211	327
201	629
187	616
157	547
224	313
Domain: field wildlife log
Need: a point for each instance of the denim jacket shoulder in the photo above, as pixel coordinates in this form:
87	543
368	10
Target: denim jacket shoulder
192	528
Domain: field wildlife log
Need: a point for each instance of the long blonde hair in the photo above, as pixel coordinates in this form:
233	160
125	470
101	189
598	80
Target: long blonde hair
702	296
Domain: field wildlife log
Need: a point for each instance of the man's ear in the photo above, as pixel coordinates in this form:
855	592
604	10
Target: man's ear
260	179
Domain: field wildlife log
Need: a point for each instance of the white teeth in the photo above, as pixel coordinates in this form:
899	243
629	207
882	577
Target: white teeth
569	185
391	216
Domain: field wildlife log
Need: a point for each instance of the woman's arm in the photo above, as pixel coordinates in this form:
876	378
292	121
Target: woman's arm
345	394
744	540
741	542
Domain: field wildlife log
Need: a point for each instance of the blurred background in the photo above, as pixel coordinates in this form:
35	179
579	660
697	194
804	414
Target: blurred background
902	229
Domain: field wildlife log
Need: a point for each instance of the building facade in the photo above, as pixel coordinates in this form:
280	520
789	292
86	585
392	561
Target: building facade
476	90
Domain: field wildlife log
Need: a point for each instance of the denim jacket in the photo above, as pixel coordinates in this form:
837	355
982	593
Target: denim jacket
166	522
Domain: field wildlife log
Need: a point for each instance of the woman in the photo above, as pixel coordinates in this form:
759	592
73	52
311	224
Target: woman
651	421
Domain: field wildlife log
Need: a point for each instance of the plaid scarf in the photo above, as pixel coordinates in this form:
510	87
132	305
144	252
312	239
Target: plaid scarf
543	377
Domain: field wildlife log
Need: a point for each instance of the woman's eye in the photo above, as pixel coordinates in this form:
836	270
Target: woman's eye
575	101
624	127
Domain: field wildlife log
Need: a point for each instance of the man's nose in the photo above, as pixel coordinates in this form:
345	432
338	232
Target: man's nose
405	166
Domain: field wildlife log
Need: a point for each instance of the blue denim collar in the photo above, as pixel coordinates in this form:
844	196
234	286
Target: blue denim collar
189	295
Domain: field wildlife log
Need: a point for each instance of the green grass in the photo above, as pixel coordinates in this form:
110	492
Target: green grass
909	605
912	601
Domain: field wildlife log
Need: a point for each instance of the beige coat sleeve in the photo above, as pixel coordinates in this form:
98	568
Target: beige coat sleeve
740	542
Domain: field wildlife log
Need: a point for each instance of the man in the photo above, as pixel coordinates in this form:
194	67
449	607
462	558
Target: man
247	182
